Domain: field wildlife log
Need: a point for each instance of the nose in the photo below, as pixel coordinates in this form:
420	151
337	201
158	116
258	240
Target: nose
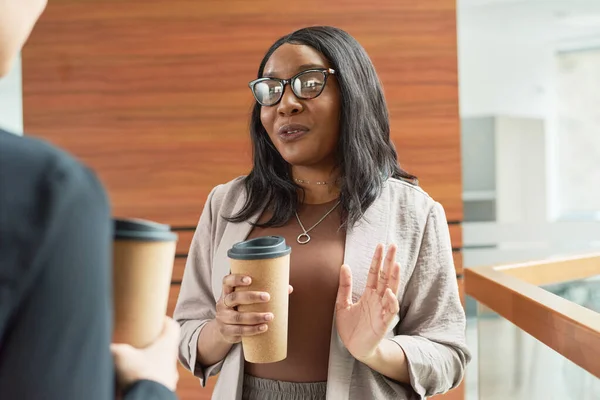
289	104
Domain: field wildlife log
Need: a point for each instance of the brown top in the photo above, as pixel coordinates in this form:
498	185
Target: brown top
314	274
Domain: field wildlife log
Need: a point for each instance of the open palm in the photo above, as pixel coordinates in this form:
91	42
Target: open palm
362	325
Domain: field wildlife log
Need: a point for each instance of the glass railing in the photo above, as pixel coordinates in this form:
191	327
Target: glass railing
538	329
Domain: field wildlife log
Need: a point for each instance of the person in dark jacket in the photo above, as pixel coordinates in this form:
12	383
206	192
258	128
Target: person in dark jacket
55	275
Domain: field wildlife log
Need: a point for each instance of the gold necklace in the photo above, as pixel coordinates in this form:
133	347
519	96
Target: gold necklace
304	237
308	182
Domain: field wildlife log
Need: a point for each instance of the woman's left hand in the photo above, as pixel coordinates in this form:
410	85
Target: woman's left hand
362	325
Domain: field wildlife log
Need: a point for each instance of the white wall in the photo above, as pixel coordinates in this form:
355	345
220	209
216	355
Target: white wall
579	134
520	170
11	101
505	78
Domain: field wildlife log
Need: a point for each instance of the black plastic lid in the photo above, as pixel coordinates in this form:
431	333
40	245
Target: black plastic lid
139	229
259	248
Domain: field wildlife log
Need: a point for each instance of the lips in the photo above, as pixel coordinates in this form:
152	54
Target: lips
291	132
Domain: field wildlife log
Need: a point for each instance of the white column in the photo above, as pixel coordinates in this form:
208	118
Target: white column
11	101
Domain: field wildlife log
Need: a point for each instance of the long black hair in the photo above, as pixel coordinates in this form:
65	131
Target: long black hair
365	155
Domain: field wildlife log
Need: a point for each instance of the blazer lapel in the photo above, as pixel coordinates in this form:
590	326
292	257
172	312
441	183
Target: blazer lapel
360	246
232	234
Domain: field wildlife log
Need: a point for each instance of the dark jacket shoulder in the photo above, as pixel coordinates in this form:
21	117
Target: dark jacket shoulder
38	184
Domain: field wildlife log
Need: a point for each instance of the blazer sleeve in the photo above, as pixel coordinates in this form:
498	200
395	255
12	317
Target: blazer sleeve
196	305
432	330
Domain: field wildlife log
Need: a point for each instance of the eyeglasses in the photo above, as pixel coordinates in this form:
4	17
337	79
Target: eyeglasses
305	85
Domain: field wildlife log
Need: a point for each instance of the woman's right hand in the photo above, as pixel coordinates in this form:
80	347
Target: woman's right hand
233	325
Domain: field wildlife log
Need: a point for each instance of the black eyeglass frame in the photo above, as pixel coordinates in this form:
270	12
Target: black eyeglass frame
325	71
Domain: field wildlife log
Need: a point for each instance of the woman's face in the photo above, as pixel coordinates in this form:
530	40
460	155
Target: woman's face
305	132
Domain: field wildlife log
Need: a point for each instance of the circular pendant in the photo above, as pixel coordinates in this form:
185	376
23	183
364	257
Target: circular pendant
303	238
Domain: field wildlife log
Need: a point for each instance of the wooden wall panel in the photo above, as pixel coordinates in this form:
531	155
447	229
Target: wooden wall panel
188	387
458	262
184	241
173	294
153	94
455	394
178	268
456	235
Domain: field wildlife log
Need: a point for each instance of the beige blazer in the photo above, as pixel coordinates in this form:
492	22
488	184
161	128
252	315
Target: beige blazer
430	327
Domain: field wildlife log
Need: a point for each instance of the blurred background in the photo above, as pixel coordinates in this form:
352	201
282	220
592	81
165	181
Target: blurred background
529	79
494	104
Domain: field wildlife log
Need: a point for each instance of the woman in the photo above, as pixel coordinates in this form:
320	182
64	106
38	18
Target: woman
325	177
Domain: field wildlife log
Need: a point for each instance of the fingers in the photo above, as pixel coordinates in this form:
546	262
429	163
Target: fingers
384	273
234	299
230	282
171	327
394	278
234	332
234	325
375	267
118	350
344	295
232	317
390	305
170	333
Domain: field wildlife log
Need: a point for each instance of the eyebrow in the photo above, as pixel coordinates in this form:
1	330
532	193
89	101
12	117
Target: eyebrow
303	67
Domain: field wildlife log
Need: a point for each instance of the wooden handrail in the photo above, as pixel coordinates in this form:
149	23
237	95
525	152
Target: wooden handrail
512	291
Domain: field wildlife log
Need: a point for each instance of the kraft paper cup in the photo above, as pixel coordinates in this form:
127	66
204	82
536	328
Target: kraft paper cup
267	261
143	257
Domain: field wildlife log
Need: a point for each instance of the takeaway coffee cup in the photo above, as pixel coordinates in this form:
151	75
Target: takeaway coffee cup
143	256
267	261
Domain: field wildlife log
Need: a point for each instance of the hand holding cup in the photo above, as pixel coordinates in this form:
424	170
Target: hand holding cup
233	324
266	261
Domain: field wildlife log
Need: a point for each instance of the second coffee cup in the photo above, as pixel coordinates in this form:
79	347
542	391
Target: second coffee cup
143	256
267	261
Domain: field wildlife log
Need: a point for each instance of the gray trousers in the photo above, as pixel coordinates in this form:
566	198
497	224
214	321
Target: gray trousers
266	389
